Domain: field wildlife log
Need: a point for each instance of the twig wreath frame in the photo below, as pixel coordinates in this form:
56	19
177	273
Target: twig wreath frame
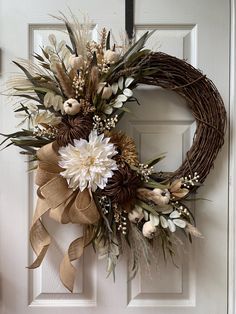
89	173
205	103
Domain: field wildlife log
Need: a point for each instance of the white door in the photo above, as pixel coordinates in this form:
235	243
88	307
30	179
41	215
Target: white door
194	30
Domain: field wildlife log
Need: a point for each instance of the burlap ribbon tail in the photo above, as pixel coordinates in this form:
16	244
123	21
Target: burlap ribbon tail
63	205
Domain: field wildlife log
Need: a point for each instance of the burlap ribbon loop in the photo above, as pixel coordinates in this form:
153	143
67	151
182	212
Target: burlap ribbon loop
84	210
63	205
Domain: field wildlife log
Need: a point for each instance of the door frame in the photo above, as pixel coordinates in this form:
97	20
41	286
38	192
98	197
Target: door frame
232	165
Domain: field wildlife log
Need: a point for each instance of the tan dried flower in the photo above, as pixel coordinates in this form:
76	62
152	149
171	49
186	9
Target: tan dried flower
126	148
176	189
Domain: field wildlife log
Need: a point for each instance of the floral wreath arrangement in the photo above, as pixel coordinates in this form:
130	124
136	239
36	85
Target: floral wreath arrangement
88	173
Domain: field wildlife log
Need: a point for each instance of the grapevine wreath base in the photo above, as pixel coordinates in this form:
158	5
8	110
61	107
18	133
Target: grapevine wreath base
88	173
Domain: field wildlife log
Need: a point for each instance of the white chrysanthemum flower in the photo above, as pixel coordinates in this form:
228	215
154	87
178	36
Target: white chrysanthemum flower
88	163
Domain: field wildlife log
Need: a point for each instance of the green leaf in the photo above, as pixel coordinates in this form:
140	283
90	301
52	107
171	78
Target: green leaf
46	55
108	45
7	146
138	45
38	57
136	57
70	49
94	60
149	208
27	73
125	109
34	88
155	160
153	184
23	108
72	37
28	97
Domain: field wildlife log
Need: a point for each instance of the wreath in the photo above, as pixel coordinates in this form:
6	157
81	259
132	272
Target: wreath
88	173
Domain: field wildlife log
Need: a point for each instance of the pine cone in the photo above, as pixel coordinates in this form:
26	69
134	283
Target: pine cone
74	127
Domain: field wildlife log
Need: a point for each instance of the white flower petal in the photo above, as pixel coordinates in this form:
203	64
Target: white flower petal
114	87
108	110
180	223
127	92
164	222
122	98
174	214
154	220
121	83
128	81
118	104
172	226
88	163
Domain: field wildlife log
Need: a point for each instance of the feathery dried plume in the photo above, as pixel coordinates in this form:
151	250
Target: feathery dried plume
92	82
142	251
64	81
103	36
193	231
144	194
125	42
79	32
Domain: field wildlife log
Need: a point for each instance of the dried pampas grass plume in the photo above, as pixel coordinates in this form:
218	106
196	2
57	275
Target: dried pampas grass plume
193	231
80	33
65	81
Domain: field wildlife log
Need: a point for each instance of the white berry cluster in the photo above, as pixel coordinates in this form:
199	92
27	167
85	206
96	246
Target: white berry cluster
190	181
49	133
145	171
78	84
104	124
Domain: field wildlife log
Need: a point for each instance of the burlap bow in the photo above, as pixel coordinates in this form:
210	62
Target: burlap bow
64	205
